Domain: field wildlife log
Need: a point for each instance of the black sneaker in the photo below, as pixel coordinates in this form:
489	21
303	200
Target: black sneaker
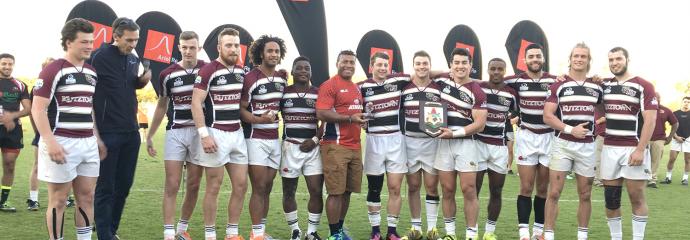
312	236
651	185
666	181
70	202
7	208
296	234
32	205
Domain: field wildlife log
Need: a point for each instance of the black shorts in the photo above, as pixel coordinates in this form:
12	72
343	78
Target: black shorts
143	125
13	139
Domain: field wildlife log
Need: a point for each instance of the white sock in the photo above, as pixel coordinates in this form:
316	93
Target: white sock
638	225
450	225
182	225
490	226
33	195
232	229
263	223
314	221
471	232
374	216
582	233
616	228
392	220
431	213
417	224
685	176
258	230
168	230
84	233
537	229
210	231
668	174
291	219
523	230
548	235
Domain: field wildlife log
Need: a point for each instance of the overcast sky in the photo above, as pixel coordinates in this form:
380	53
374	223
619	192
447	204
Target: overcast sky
656	33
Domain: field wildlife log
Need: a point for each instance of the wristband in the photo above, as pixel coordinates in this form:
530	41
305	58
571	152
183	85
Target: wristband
203	132
568	129
315	139
459	133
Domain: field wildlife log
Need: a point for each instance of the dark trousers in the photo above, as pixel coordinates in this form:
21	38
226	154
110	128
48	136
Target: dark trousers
115	180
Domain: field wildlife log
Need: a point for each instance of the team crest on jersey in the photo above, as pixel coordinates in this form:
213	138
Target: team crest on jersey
356	101
544	86
524	87
390	87
311	102
503	101
446	89
607	90
429	96
408	97
197	79
592	92
178	82
262	89
221	80
628	91
38	84
279	86
70	79
568	92
369	92
288	103
91	80
463	96
654	101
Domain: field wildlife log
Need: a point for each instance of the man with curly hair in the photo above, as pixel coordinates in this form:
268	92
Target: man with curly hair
261	94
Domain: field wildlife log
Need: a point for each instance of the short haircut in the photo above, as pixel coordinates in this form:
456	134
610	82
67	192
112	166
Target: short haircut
258	46
72	27
621	49
421	53
346	53
188	35
6	55
228	32
688	98
497	60
379	54
461	52
301	58
122	24
534	46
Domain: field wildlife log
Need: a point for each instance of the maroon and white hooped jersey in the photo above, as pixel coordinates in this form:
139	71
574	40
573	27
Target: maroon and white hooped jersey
577	102
461	100
263	94
224	87
177	83
531	97
499	103
383	102
623	105
298	110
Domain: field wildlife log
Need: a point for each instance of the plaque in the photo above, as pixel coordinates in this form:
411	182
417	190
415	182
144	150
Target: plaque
432	117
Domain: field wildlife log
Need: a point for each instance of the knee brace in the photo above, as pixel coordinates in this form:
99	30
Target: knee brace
612	195
375	186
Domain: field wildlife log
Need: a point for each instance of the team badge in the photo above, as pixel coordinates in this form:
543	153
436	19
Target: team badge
288	103
408	97
592	92
503	101
221	80
544	86
390	87
568	92
446	90
178	82
369	92
70	79
607	90
262	89
524	87
311	102
628	91
197	79
91	80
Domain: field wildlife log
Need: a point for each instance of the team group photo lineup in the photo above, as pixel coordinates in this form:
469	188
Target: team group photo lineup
151	128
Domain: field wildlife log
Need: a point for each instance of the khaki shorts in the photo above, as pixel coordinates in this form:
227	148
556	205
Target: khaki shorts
342	169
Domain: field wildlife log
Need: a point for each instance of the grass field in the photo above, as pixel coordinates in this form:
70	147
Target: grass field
668	219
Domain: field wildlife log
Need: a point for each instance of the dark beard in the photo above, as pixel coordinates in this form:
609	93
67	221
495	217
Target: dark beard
529	68
622	72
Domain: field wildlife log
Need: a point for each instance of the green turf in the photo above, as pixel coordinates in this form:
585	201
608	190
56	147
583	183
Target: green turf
669	208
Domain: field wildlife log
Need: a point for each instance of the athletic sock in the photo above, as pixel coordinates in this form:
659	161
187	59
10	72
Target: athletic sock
669	174
258	230
232	229
582	233
84	233
392	224
417	224
334	228
292	220
638	226
615	228
524	209
33	195
450	225
490	226
168	230
685	176
210	231
263	223
182	225
5	194
374	217
472	232
431	211
548	235
539	206
314	221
